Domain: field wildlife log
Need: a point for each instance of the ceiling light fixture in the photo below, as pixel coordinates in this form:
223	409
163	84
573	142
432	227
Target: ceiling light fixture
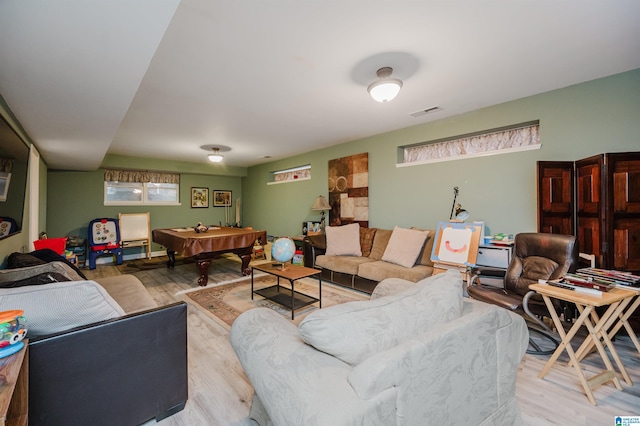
216	157
385	88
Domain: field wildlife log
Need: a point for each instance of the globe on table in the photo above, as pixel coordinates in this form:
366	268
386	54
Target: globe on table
283	250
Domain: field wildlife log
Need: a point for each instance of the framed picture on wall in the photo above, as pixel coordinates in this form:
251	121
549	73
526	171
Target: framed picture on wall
199	197
221	198
311	228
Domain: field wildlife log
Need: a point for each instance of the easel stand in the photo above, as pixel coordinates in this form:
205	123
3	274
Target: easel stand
441	267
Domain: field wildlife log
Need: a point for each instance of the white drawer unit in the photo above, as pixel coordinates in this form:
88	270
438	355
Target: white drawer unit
493	255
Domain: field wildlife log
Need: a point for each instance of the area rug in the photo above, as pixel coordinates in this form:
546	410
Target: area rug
224	302
135	265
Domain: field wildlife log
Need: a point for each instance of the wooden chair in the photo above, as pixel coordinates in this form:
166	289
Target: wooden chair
135	231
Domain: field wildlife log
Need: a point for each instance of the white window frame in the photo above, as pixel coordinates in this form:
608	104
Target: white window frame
145	195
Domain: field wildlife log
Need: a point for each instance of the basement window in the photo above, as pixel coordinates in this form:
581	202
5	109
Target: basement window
130	188
503	140
290	175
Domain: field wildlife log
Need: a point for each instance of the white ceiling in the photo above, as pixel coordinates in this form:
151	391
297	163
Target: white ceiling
161	78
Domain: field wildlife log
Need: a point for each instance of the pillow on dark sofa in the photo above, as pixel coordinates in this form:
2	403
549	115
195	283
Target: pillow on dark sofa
38	257
44	278
22	260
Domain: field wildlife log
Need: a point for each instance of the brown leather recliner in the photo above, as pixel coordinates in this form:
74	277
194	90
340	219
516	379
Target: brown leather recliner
536	256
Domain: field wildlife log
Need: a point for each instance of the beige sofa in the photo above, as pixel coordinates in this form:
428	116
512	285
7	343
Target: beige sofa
421	354
363	272
96	347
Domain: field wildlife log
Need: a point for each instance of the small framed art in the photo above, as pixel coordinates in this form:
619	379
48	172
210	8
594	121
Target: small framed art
199	197
221	198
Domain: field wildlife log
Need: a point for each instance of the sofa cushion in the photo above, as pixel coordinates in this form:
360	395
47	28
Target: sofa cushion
404	246
366	240
356	330
379	270
345	264
343	240
427	248
128	292
60	306
380	241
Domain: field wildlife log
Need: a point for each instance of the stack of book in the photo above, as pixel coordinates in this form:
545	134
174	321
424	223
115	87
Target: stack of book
582	280
594	281
608	277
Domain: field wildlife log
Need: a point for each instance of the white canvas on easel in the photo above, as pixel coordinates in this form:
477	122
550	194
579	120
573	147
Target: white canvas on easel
135	231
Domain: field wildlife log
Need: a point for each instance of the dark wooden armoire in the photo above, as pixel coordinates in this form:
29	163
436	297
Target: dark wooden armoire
598	200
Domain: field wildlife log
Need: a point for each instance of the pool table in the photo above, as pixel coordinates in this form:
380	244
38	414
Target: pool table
205	246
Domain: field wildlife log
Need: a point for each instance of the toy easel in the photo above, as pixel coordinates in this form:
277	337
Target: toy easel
456	247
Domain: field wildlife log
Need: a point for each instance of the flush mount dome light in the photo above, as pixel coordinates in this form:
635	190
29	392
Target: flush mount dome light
216	157
215	152
385	88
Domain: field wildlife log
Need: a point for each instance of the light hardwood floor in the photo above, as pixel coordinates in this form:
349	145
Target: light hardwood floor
220	393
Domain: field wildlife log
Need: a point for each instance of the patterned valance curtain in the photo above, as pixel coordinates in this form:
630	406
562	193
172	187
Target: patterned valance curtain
6	165
144	176
287	176
526	136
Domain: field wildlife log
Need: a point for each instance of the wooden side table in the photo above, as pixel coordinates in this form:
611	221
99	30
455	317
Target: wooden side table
628	307
14	388
598	331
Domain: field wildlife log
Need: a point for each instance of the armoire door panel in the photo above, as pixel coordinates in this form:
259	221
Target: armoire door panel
589	236
623	200
556	191
556	225
626	186
555	197
589	186
626	246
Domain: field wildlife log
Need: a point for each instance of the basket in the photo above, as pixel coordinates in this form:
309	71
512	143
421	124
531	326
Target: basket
56	244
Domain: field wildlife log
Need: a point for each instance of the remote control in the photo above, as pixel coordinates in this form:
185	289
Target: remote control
560	285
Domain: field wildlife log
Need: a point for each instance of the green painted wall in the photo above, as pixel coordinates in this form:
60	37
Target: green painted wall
76	198
576	122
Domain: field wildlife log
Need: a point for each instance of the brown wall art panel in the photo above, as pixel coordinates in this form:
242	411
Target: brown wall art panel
349	190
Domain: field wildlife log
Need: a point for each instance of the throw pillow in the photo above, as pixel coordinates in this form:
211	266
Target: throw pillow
354	331
404	246
21	260
380	241
427	248
343	240
43	278
366	240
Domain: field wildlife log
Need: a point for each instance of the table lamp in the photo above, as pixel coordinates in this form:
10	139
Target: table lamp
321	204
460	214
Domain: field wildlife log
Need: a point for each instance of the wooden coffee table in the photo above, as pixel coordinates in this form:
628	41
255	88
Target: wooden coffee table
287	297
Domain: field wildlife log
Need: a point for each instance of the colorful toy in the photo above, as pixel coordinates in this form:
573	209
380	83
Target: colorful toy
104	238
13	328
